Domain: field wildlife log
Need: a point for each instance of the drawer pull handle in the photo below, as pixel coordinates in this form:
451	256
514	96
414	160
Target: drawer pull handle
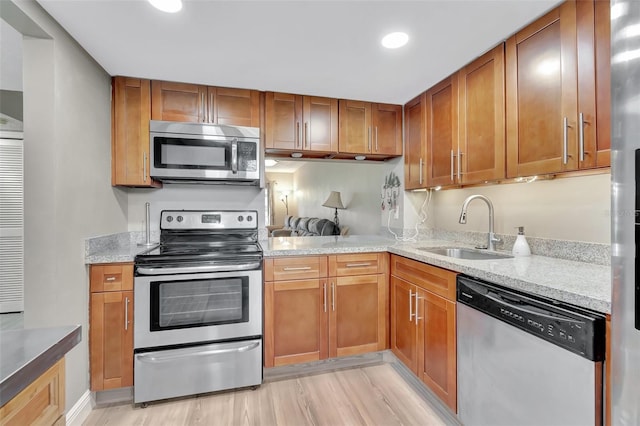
358	265
300	268
110	279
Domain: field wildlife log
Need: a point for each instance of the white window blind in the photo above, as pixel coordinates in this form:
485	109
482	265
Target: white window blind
11	226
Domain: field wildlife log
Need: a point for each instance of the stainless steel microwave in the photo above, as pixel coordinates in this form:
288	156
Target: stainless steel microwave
204	153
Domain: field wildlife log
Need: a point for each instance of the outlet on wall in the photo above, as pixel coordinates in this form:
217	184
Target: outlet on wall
396	213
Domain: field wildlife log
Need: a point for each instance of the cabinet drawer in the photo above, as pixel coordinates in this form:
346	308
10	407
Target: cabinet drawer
112	277
342	265
436	280
295	268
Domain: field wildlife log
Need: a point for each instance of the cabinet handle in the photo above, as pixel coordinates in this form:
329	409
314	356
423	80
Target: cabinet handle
452	157
420	171
299	268
211	117
369	137
376	138
126	313
416	314
581	123
411	314
565	140
144	166
203	108
459	165
109	279
306	134
324	290
298	134
333	297
357	265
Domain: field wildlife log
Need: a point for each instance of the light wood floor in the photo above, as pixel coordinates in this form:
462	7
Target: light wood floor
375	395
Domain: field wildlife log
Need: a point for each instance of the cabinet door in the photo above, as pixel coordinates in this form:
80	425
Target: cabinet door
481	147
387	129
415	145
437	346
320	128
178	102
355	127
541	80
594	87
442	132
295	328
111	340
237	107
403	340
131	112
357	320
283	116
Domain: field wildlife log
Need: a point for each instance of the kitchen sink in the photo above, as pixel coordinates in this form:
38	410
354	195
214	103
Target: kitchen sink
466	253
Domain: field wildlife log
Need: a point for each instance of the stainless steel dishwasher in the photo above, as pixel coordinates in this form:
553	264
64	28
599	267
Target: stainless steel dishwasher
525	360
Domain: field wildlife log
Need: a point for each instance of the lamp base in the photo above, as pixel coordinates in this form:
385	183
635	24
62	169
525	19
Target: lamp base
336	229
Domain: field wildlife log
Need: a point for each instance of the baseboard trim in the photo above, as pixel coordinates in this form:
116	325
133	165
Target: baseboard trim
80	410
324	366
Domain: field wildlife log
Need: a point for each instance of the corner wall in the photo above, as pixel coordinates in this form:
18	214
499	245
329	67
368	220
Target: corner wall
68	193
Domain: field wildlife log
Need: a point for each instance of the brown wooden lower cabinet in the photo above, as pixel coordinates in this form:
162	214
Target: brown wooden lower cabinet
423	325
40	403
295	322
111	326
316	318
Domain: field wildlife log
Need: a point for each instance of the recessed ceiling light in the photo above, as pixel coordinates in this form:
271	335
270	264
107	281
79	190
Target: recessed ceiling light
270	163
169	6
296	155
395	40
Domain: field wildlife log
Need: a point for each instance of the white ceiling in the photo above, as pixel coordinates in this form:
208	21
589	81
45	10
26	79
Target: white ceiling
325	48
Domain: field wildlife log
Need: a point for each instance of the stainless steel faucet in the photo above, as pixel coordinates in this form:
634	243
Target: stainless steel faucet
491	240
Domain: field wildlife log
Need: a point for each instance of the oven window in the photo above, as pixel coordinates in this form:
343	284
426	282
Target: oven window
198	303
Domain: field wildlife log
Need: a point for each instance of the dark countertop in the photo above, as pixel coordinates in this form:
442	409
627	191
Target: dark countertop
27	353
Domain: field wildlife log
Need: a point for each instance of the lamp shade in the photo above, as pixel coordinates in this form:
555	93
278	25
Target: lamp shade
334	201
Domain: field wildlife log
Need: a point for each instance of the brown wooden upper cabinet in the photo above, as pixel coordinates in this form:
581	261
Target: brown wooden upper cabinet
130	114
442	132
480	155
370	128
594	83
414	152
301	123
551	125
184	102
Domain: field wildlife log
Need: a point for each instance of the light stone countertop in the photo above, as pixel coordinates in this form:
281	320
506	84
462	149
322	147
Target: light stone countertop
578	283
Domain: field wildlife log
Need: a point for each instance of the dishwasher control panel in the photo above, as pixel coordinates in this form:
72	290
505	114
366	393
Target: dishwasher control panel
575	329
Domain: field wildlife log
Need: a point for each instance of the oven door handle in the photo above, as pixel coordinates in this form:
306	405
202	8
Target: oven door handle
197	269
151	358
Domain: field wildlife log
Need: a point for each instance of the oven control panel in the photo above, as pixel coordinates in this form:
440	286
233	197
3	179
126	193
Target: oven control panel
208	219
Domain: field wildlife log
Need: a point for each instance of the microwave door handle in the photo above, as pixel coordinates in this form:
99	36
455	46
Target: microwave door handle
234	155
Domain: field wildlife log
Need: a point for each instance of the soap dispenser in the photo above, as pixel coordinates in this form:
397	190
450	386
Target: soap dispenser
521	247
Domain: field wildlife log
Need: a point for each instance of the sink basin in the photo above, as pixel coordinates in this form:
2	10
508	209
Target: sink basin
466	253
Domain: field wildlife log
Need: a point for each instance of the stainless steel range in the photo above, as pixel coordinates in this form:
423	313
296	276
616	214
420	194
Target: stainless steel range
198	306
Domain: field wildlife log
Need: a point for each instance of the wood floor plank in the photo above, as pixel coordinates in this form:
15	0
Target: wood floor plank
374	395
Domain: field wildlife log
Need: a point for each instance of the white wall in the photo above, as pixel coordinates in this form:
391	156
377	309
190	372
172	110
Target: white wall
68	195
575	208
359	184
282	182
192	197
